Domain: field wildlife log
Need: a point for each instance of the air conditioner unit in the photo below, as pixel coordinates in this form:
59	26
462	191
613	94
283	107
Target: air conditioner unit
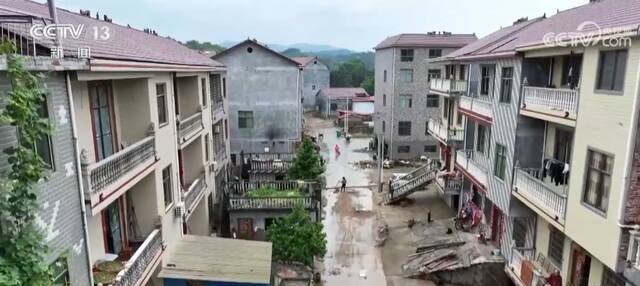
178	211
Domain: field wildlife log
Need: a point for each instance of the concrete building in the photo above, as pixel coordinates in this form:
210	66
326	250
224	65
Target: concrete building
550	143
330	100
315	76
133	168
266	107
402	103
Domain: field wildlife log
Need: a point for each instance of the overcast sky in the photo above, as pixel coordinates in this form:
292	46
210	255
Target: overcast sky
353	24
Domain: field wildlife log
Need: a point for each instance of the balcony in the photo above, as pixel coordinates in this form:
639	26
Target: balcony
188	127
443	133
541	102
448	185
478	108
106	180
194	193
546	196
271	195
474	165
138	268
448	87
525	259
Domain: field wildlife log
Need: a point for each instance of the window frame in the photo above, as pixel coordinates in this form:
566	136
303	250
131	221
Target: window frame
167	182
162	98
588	167
384	76
481	143
207	145
404	128
384	99
62	264
500	162
519	232
242	120
434	73
488	77
462	72
506	85
433	54
403	98
403	147
430	99
203	90
555	237
406	75
407	55
599	72
430	147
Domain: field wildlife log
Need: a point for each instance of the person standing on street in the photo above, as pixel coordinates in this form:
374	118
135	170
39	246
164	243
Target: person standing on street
343	186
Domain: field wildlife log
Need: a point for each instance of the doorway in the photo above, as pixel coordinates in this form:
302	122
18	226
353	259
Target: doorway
245	228
562	148
102	118
580	267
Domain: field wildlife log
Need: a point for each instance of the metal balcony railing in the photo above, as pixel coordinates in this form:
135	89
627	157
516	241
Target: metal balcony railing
474	163
478	105
194	191
238	195
555	99
139	264
541	193
98	176
449	185
189	125
448	85
17	29
445	133
272	203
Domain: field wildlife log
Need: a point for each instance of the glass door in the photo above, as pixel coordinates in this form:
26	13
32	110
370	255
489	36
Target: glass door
101	116
114	228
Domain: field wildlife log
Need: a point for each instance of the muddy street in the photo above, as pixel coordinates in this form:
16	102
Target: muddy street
349	218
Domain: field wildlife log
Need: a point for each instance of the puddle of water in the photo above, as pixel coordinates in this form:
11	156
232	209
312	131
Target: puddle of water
349	221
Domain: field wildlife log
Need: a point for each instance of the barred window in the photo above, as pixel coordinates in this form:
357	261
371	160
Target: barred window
406	55
245	119
433	100
556	246
404	128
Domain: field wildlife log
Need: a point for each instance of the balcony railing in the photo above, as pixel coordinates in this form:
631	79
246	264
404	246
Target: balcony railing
445	133
308	202
478	105
189	126
449	185
474	164
16	28
271	156
546	196
554	99
139	265
195	190
99	176
448	85
234	189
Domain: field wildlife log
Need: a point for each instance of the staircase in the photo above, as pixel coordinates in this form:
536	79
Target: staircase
409	183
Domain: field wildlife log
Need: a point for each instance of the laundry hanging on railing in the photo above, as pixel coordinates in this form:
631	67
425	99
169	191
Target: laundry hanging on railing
557	170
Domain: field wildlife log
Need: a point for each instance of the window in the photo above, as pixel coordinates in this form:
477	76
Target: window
385	76
462	73
60	271
598	180
206	148
506	84
404	128
519	232
611	70
226	129
449	72
406	55
334	106
610	278
485	79
43	146
433	100
383	126
245	119
500	166
434	73
167	186
384	100
161	97
203	90
556	246
405	101
224	87
406	75
481	139
101	101
404	149
445	108
430	148
459	118
435	53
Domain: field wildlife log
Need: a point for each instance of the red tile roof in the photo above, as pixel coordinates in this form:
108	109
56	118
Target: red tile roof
342	92
303	61
427	40
124	43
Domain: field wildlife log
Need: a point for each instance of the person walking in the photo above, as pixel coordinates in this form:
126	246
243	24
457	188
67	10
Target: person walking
343	186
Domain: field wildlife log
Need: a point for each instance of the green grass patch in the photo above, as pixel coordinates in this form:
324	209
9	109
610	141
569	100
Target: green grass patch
269	192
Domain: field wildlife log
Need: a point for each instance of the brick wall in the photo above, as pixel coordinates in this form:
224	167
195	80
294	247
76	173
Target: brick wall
60	214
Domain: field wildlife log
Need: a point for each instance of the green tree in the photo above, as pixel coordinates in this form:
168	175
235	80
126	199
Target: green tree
22	248
307	164
368	84
349	74
296	238
204	46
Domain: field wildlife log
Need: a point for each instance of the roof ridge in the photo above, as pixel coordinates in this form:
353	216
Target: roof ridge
524	26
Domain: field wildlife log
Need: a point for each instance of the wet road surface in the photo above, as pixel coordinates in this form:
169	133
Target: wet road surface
349	218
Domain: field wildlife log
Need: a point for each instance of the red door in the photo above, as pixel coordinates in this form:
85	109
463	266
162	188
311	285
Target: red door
245	228
496	224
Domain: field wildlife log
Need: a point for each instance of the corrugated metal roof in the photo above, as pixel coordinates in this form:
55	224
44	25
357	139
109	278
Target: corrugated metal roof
215	259
427	40
123	43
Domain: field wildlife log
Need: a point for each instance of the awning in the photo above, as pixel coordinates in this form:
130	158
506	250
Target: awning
204	258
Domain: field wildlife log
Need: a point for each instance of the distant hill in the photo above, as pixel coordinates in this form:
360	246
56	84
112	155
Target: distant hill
305	47
334	58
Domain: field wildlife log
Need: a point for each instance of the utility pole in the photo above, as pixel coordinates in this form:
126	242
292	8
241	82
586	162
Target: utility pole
380	145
